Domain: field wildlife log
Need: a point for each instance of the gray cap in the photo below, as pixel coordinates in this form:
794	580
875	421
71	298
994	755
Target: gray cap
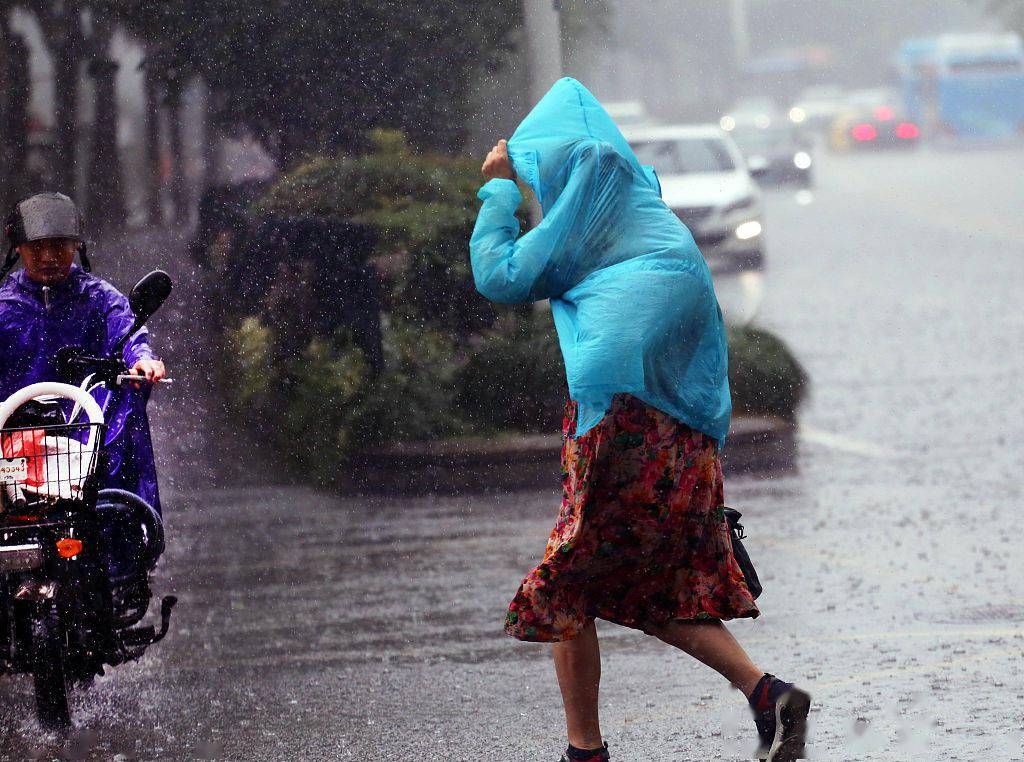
46	215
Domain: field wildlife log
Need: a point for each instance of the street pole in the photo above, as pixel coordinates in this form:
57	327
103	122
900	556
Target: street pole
543	26
740	32
740	47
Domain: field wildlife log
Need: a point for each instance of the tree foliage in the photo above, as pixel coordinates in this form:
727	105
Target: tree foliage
315	74
423	208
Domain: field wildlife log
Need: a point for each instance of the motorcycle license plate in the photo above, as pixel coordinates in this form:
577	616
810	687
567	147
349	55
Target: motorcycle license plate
13	470
20	557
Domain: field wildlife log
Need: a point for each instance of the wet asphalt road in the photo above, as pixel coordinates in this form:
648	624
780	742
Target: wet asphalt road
320	627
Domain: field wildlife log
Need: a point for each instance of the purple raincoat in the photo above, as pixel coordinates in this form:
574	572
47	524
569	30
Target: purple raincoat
87	312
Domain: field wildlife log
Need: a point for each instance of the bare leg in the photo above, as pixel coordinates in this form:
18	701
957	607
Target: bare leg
578	666
710	642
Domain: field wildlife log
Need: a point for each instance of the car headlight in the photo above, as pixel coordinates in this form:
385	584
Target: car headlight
744	203
802	159
747	230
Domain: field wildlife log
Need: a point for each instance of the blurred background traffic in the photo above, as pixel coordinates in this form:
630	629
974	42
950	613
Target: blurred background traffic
729	98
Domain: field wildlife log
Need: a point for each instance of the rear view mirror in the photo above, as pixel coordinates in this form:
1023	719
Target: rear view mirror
145	299
148	294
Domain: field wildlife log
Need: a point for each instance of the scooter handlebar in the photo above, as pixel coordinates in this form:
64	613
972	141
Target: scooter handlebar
131	378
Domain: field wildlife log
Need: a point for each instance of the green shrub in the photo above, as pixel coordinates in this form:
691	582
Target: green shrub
764	375
514	378
323	404
316	397
423	209
412	399
452	363
254	375
320	399
306	404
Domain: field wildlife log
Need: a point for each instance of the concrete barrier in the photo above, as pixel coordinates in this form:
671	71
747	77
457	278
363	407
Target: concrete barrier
504	463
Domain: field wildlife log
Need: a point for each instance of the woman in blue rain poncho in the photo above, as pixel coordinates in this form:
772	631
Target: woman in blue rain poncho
641	538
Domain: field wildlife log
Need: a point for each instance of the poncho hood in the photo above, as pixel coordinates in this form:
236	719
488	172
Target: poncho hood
541	146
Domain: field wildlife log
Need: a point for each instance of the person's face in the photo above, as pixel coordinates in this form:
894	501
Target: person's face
49	261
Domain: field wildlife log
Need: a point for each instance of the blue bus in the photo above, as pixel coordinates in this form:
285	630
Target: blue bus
968	86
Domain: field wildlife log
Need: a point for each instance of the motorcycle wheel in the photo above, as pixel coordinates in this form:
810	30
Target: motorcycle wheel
48	670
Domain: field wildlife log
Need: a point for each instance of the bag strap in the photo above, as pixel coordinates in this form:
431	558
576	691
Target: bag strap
733	517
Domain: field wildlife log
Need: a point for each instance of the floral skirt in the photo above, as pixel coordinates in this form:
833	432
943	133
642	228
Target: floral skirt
641	538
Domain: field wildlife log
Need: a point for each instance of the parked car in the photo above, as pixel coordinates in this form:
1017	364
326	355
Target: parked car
776	152
705	181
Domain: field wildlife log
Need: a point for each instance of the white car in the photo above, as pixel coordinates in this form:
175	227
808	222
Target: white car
705	181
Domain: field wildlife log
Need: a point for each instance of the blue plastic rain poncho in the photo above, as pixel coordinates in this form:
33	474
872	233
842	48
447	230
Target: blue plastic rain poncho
87	312
631	295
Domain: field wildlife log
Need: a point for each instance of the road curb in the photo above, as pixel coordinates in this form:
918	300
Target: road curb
506	463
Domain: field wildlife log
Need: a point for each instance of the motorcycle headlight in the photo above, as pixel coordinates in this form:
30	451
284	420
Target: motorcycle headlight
802	159
744	203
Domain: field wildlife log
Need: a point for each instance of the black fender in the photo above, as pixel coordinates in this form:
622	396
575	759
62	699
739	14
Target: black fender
119	499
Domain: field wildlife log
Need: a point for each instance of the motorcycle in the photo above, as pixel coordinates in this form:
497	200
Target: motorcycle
75	558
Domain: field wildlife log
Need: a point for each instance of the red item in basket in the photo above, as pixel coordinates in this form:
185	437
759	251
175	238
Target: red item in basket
27	444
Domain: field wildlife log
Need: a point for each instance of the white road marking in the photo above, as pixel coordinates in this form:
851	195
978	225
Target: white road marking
845	444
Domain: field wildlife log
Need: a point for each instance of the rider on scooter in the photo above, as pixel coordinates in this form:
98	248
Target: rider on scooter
52	303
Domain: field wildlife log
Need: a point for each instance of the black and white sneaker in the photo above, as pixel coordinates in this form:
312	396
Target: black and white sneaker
780	713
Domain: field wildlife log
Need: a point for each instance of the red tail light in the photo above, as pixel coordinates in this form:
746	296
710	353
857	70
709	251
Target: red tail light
69	547
863	132
884	113
907	130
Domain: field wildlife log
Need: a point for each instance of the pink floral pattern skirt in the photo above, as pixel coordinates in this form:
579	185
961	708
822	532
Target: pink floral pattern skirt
641	538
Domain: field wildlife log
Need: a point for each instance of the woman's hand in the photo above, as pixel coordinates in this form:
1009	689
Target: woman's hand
497	164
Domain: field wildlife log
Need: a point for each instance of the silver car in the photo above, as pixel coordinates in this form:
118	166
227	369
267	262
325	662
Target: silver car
705	181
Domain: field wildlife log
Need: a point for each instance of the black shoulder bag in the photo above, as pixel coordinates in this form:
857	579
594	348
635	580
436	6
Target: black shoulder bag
742	557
